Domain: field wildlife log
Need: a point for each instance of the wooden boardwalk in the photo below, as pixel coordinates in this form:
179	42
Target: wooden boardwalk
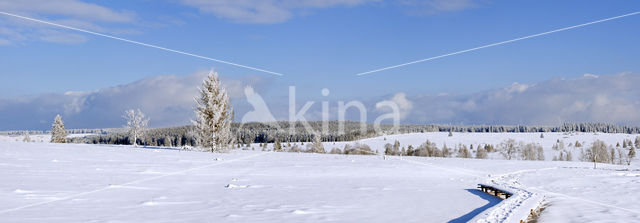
494	191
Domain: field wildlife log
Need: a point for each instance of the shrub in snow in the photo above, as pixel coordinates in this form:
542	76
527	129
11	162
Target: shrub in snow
564	155
277	147
597	153
508	148
558	146
489	148
335	151
446	152
26	137
317	145
532	151
58	132
294	149
426	149
631	155
481	153
388	149
463	152
358	149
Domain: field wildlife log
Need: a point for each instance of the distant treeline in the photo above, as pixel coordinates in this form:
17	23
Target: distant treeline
280	131
69	131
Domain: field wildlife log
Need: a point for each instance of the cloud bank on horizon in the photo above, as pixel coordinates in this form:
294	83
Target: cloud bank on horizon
168	101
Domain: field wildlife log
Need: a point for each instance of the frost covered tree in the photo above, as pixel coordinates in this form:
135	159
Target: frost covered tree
631	155
317	145
58	132
598	153
532	151
508	149
167	141
27	138
136	124
277	146
481	153
388	149
213	115
463	152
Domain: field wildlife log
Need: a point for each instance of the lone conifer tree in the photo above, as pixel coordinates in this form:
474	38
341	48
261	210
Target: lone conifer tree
317	145
58	133
277	146
213	115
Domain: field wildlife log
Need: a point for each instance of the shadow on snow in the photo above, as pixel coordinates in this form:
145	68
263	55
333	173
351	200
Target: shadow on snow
468	216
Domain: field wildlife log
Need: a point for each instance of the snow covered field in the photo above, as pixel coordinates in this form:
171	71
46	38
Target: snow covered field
36	138
44	182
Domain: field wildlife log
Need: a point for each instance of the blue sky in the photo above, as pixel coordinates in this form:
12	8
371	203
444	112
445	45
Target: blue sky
316	44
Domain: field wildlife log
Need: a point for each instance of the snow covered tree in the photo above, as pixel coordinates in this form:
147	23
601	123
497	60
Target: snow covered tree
213	115
481	153
463	152
136	124
388	149
277	146
445	151
27	138
597	153
631	155
58	132
532	151
167	141
508	148
317	145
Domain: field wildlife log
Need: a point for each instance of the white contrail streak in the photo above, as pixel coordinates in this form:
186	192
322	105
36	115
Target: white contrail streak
499	43
139	43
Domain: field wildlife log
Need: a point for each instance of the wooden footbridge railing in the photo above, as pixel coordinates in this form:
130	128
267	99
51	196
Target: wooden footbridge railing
494	191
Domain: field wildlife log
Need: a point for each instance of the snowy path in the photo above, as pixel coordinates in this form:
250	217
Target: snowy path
572	191
83	183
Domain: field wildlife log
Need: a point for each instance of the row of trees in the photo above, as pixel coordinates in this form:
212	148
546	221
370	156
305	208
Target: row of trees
245	133
600	152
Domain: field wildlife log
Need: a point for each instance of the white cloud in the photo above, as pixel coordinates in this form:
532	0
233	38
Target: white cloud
265	12
4	42
66	12
400	99
608	98
436	6
70	8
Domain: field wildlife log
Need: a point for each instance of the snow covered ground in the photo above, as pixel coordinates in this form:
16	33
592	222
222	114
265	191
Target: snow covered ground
36	138
44	182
